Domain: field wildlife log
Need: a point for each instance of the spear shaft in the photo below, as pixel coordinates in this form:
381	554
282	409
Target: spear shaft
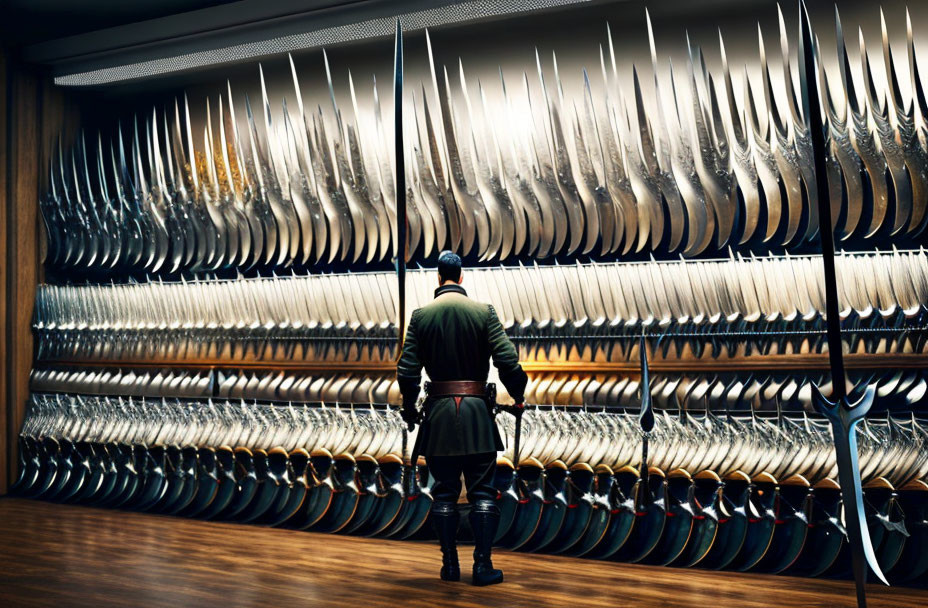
400	160
409	472
810	102
645	417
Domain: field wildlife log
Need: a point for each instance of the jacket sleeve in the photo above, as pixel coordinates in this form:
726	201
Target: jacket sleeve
505	358
409	368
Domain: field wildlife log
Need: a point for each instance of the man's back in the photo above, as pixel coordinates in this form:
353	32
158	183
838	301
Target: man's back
454	336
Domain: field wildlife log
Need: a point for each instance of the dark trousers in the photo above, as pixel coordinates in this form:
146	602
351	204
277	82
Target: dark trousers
478	472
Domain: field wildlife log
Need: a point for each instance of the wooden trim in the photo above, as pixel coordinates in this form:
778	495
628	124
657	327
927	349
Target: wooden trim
210	364
725	364
753	363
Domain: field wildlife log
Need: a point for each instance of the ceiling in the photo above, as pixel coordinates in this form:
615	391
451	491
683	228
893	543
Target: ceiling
30	21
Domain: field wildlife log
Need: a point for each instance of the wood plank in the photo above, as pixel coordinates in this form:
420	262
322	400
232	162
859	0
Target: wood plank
37	113
751	363
4	227
22	220
58	555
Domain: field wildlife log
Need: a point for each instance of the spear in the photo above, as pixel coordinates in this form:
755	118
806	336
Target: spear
400	180
645	417
840	412
409	472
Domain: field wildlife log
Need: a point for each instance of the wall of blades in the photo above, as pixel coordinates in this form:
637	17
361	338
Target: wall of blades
217	334
662	161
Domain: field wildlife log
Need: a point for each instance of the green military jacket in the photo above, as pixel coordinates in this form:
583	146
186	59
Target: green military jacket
454	338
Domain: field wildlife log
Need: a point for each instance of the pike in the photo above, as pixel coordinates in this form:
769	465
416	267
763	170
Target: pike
645	417
409	472
400	181
840	412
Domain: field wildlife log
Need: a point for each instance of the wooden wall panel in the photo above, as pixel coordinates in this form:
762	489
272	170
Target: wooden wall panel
4	360
34	114
21	242
21	262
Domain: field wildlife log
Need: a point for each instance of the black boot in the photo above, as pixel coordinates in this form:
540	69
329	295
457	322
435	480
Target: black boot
484	519
445	518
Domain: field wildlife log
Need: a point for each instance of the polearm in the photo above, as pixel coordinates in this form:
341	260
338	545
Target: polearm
843	415
645	419
399	158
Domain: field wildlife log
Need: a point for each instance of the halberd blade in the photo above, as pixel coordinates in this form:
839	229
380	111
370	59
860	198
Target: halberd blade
238	222
842	414
499	216
663	153
475	224
916	155
276	183
362	215
320	221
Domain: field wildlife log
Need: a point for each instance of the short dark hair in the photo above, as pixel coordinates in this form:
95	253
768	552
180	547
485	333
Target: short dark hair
449	266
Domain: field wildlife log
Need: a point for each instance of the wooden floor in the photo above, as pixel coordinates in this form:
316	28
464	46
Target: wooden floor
58	555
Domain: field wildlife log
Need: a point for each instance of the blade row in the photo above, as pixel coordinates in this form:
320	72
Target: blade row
730	392
897	335
596	294
254	426
223	384
897	390
504	170
894	449
737	521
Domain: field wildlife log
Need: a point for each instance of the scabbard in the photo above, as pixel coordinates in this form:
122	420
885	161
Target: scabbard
518	438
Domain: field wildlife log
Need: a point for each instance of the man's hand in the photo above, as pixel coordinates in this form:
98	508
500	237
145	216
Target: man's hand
410	416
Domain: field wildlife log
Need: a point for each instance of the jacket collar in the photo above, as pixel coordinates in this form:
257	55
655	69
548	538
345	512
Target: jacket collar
450	289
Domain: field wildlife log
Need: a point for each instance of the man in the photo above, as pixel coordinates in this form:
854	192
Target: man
454	338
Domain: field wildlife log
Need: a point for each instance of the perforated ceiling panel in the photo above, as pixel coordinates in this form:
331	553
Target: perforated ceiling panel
373	28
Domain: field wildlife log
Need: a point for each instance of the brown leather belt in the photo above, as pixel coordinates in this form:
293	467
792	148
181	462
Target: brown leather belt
456	388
